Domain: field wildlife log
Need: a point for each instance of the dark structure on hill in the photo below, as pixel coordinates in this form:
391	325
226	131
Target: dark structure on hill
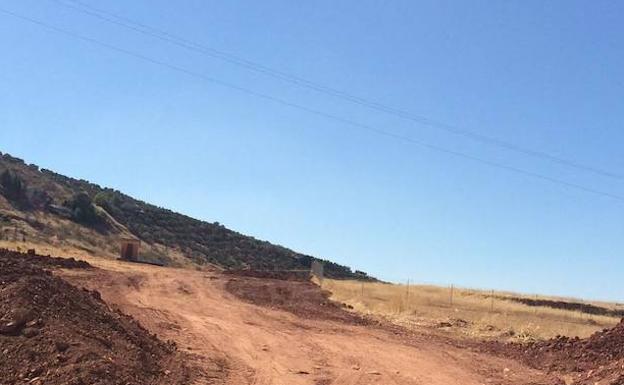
129	249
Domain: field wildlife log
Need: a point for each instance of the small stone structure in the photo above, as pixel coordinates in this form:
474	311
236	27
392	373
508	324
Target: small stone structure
129	250
316	270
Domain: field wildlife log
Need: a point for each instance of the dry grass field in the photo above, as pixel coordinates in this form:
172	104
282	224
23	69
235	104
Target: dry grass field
471	312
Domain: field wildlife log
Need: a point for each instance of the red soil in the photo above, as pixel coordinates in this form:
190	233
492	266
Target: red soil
54	333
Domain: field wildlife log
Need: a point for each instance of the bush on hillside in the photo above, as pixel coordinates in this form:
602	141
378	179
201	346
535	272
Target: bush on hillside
83	210
13	188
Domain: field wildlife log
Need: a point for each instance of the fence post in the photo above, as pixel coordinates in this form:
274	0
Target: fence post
536	305
451	296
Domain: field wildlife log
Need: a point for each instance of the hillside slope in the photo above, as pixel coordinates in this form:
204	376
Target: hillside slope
42	206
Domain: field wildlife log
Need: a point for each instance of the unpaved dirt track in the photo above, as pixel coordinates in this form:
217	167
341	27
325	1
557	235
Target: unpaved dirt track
239	343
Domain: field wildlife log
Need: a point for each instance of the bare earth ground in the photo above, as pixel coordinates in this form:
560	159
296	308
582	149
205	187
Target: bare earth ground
235	342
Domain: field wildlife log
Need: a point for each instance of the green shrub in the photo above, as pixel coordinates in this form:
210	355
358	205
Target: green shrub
13	188
83	210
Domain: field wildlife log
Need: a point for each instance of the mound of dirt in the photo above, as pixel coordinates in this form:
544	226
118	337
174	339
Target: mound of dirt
575	354
567	305
284	275
596	359
302	298
54	333
44	261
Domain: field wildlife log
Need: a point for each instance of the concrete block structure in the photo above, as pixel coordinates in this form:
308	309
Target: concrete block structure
129	249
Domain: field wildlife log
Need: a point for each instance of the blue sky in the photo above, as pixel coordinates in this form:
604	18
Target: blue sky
547	76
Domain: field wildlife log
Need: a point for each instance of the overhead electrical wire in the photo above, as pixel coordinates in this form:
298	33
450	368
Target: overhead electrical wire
323	114
157	33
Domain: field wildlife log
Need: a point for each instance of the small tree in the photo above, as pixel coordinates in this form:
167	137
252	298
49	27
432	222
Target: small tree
82	209
13	188
103	199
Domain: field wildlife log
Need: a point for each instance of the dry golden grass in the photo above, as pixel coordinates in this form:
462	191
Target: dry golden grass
488	314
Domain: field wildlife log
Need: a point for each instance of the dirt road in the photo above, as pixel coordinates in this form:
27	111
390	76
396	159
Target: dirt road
238	343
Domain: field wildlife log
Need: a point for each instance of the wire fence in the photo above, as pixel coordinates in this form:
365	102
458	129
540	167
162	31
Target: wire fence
491	310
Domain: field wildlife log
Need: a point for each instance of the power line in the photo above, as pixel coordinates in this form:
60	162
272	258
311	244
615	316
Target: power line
299	81
323	114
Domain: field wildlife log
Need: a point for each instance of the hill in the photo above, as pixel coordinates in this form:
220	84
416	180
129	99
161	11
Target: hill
40	206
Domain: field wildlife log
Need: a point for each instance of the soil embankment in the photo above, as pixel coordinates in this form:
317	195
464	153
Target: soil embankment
585	308
598	359
52	332
299	297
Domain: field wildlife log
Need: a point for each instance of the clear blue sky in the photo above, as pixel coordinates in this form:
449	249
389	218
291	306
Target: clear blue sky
548	76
